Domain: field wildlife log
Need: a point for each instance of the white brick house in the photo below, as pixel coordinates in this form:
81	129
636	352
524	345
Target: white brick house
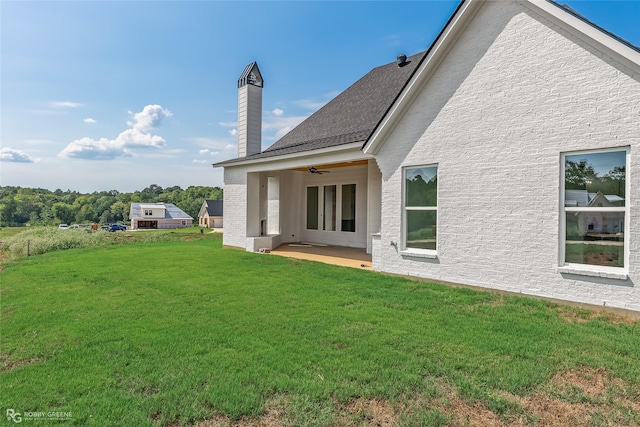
462	163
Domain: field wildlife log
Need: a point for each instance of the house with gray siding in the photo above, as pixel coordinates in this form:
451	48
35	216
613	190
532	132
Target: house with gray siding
502	157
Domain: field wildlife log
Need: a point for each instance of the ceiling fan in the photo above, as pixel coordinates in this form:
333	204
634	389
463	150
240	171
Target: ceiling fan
313	169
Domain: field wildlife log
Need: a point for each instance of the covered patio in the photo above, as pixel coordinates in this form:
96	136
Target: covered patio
336	255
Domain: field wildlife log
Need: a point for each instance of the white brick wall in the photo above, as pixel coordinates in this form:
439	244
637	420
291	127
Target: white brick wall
235	207
512	94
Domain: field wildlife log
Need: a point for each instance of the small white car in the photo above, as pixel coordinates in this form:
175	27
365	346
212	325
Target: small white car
63	227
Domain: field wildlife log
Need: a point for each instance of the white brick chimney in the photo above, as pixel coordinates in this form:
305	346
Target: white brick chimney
250	86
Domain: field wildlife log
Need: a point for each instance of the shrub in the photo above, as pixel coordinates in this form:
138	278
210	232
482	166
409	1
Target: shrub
40	240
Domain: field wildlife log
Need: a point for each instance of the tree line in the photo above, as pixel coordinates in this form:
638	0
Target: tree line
36	206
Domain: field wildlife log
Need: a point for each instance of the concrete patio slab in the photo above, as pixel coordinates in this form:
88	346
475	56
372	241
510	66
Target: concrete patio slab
336	255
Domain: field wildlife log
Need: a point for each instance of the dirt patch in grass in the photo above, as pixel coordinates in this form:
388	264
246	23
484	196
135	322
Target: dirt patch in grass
581	315
573	398
6	367
586	397
374	412
273	417
465	413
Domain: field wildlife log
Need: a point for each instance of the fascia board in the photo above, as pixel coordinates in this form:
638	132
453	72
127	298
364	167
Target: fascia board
342	153
437	52
586	32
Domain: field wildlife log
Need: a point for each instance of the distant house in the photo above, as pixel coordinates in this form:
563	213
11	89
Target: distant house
451	164
210	215
594	222
158	216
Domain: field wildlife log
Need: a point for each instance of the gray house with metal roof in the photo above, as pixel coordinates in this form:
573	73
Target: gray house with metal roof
452	163
158	216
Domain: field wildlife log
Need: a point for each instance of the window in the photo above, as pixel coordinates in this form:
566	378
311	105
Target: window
348	208
420	207
594	209
148	212
331	208
329	223
312	208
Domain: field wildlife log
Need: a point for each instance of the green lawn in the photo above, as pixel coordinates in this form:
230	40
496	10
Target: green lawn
178	332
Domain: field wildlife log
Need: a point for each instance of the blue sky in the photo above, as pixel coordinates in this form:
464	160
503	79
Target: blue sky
101	95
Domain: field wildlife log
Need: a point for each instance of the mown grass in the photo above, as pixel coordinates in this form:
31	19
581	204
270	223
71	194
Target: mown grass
182	331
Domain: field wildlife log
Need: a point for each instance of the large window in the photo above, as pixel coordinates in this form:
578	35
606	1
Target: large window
420	207
595	209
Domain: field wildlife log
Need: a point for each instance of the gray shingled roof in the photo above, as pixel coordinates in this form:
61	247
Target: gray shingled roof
214	207
354	115
350	117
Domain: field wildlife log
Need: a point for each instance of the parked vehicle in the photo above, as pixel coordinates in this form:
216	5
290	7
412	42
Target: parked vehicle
117	227
63	227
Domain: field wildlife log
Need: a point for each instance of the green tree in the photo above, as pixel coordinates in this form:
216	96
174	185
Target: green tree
120	211
578	175
64	212
19	205
8	208
106	217
46	216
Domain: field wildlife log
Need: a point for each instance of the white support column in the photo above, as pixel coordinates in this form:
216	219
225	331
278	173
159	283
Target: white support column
253	204
374	202
273	205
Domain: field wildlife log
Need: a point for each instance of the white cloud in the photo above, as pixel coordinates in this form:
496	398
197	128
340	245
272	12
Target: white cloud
16	156
277	112
65	104
135	138
138	136
220	149
150	117
206	151
90	120
90	149
233	132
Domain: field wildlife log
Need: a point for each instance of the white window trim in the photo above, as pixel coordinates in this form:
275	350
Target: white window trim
416	252
338	185
620	273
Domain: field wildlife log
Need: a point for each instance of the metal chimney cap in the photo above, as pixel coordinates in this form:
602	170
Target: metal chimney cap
401	60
